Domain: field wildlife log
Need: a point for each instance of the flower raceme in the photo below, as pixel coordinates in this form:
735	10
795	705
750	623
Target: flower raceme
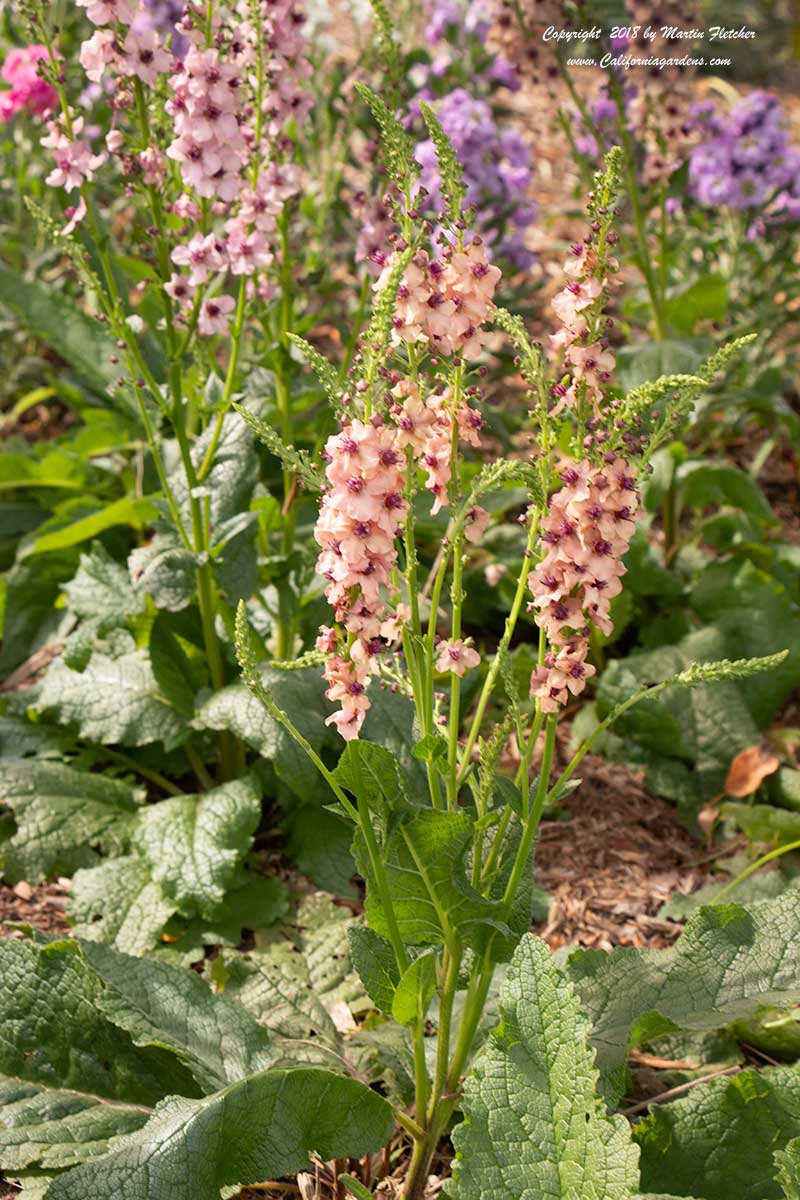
587	531
443	302
361	515
231	92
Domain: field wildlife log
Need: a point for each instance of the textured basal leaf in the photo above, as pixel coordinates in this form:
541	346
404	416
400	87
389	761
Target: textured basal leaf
63	815
164	570
21	738
729	962
433	899
52	1032
291	984
765	822
119	902
160	1005
115	700
720	1140
298	693
533	1125
46	1128
373	958
787	1162
194	844
260	1128
101	588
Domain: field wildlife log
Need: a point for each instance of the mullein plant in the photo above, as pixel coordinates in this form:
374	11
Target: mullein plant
447	853
205	103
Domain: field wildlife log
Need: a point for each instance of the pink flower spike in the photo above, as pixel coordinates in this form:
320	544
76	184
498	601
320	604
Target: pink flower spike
457	657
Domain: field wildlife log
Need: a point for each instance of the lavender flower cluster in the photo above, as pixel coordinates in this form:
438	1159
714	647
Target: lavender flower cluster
496	159
497	172
747	160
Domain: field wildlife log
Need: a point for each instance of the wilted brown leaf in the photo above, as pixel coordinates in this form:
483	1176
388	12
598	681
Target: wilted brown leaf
750	768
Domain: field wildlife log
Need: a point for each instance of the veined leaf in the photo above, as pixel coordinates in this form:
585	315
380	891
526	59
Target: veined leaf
433	899
259	1128
114	700
729	962
120	903
45	1127
136	513
63	817
160	1005
533	1124
101	588
788	1163
719	1140
194	844
375	962
54	1033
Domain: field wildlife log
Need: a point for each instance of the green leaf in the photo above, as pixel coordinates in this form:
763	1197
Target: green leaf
374	959
719	1141
357	1189
47	1128
729	962
290	984
788	1163
371	774
175	674
194	844
119	902
533	1125
53	318
646	361
164	570
101	588
256	1129
703	484
64	816
764	822
114	700
704	300
159	1005
433	900
54	1034
416	986
136	513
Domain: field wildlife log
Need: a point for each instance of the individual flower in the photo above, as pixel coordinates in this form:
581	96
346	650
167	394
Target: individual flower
144	56
97	54
215	315
476	524
456	656
109	12
203	255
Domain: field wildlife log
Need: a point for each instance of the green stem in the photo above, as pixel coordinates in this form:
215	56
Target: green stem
508	632
765	858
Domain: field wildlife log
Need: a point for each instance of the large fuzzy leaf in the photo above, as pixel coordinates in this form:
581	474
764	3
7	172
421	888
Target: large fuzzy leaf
719	1141
260	1128
53	1033
160	1005
194	844
102	588
729	962
533	1124
48	1128
63	816
788	1163
119	902
114	700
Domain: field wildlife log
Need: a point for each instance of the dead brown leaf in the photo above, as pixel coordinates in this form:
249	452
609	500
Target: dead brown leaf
750	768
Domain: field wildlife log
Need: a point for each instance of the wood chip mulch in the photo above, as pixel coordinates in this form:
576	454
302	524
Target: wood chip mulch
609	867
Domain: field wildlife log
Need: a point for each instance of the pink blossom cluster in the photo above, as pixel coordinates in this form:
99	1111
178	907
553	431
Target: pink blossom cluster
27	91
444	301
426	426
586	354
587	531
361	515
287	96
